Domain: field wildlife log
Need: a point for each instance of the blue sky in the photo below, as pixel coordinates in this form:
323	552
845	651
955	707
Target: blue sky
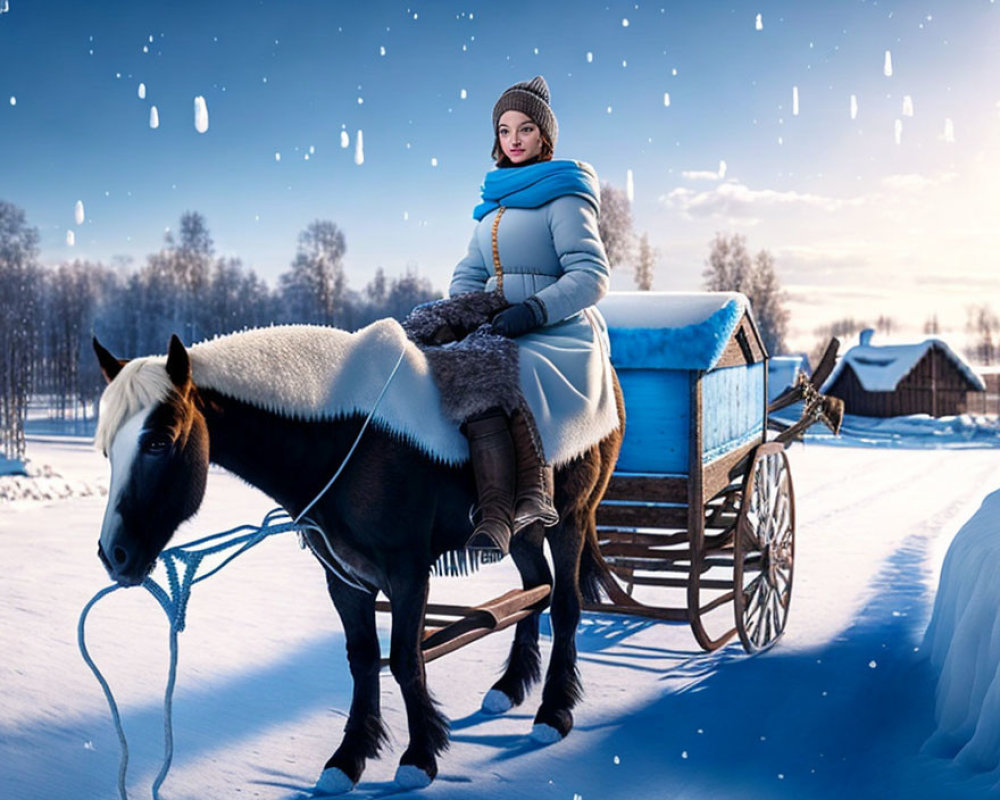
862	221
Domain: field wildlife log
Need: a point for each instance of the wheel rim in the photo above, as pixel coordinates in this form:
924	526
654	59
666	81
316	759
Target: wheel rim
764	551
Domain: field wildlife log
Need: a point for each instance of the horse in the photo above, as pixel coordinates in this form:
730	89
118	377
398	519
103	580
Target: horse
394	510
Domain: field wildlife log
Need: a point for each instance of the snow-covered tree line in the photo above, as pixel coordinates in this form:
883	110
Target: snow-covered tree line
730	268
18	323
49	314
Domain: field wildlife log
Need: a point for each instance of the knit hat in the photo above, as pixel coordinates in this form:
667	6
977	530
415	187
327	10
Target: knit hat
531	98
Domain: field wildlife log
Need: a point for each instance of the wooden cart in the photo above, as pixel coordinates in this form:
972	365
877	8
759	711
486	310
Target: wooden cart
698	522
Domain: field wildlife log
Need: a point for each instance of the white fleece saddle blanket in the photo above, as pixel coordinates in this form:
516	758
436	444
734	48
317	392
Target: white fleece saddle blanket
318	373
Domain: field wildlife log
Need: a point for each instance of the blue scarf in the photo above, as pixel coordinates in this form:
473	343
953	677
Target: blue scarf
536	184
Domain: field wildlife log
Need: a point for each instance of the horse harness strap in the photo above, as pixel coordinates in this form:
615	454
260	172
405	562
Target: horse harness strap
497	268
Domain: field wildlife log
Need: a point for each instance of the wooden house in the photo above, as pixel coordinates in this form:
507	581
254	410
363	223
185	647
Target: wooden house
896	380
987	402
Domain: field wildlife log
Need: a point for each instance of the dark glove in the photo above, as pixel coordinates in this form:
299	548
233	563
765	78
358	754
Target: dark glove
519	318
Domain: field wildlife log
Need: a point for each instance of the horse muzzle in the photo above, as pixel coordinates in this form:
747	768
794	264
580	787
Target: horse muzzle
123	567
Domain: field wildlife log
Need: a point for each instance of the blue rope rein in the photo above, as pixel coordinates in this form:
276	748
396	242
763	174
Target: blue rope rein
181	564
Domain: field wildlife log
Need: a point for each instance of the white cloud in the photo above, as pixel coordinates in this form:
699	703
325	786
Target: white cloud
735	201
915	182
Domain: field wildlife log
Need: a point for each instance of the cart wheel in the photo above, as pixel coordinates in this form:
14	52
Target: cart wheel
764	550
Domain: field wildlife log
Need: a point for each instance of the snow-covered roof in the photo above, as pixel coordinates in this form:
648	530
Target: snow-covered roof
880	368
671	330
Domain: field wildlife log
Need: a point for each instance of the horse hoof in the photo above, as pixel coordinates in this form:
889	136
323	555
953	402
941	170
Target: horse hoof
334	781
545	734
496	702
411	777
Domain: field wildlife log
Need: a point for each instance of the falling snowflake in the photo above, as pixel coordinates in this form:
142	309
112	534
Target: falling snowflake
949	131
854	106
277	156
78	214
154	117
200	114
722	174
887	65
795	101
381	51
70	238
629	185
907	106
142	91
345	140
759	24
434	162
13	100
463	94
625	22
899	131
359	148
590	57
872	664
666	98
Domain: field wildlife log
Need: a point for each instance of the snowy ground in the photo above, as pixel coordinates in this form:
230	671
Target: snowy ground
842	706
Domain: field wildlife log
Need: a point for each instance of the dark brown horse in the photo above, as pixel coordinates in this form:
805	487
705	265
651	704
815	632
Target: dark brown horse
391	514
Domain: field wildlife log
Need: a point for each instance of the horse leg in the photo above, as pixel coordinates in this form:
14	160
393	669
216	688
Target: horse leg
364	733
554	719
428	728
524	663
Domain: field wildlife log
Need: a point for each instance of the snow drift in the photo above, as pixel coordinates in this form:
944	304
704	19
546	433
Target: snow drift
963	640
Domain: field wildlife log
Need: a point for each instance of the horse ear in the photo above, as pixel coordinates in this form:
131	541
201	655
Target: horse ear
110	366
178	363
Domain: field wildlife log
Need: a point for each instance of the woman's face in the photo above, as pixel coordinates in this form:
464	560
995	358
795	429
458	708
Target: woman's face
520	138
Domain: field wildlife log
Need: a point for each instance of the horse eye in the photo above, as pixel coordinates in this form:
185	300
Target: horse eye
156	445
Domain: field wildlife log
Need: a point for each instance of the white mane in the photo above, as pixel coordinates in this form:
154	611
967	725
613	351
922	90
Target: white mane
141	383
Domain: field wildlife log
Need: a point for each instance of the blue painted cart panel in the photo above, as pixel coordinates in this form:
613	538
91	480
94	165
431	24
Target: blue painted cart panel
657	420
658	415
732	409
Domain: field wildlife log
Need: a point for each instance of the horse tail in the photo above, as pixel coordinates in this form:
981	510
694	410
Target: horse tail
594	574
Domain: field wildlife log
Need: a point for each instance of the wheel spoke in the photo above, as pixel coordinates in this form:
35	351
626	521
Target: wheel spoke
752	592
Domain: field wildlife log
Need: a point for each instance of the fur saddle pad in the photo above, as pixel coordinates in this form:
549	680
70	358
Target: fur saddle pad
312	372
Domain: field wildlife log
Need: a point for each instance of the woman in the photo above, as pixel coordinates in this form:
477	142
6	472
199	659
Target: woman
537	243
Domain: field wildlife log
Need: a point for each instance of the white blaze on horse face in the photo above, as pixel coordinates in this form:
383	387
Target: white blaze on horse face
124	449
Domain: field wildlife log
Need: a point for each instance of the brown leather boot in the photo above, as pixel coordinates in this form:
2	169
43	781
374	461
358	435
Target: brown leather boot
491	452
535	481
